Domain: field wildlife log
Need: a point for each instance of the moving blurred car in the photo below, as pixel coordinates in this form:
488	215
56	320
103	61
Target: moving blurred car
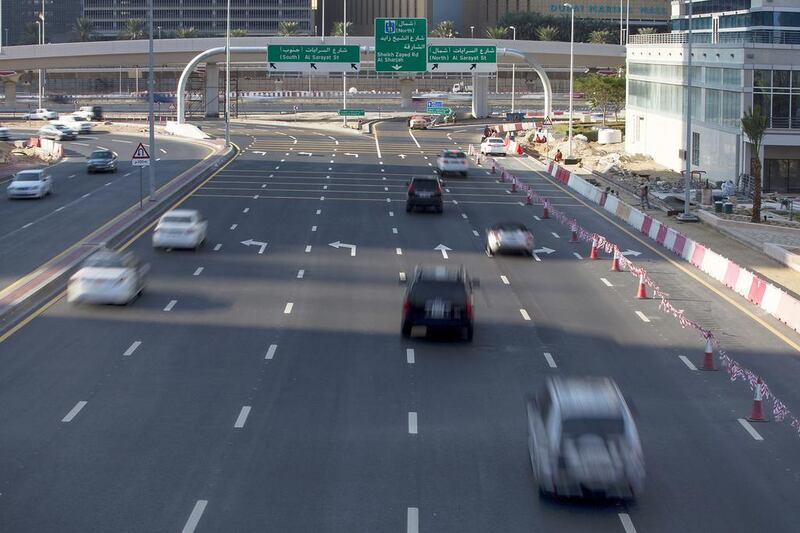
582	440
180	228
108	277
57	132
509	237
101	161
452	161
40	114
89	112
5	134
439	298
493	146
30	184
76	124
425	192
418	122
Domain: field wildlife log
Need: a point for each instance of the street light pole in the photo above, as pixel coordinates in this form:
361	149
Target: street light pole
627	21
151	87
39	27
344	74
571	71
513	70
323	21
472	32
228	76
686	216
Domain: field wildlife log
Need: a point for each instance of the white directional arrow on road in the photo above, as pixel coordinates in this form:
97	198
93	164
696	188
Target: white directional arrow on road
309	154
544	250
348	153
444	249
402	156
258	152
250	242
634	253
338	245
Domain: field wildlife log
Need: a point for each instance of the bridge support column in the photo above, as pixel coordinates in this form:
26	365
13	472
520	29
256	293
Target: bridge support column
11	93
212	90
480	96
406	91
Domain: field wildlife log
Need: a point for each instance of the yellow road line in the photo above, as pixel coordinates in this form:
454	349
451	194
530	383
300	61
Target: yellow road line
674	263
24	322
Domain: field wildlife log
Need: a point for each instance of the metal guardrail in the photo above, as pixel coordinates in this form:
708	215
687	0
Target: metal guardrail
750	37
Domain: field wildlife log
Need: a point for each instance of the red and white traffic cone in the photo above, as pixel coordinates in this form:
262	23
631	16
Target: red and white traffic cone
478	161
546	210
514	185
642	292
573	236
615	262
757	412
593	253
708	356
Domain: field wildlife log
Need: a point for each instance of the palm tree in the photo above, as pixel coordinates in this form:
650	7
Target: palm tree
338	29
30	34
446	29
83	29
287	28
646	31
187	33
754	123
134	29
496	32
547	33
600	37
239	32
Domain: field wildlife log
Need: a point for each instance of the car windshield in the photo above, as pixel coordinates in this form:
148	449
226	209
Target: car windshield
28	176
175	219
104	260
449	291
60	127
101	154
602	426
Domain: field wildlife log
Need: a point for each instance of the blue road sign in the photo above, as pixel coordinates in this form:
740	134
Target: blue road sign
435	103
389	26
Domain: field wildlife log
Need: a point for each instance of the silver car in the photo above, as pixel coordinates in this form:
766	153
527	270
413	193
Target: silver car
30	184
582	440
509	237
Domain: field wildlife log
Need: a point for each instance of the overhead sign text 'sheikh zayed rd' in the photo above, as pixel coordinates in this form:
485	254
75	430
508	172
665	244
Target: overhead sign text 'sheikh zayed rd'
400	44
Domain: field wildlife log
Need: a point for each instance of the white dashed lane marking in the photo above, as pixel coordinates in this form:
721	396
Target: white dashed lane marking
524	314
550	361
195	516
687	362
642	316
505	280
750	429
170	305
410	356
74	411
301	273
606	282
198	271
288	309
132	348
412	423
242	418
271	351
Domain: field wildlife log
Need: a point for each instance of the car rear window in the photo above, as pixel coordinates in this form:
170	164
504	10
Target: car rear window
454	155
495	140
425	184
448	291
510	227
601	426
177	220
101	155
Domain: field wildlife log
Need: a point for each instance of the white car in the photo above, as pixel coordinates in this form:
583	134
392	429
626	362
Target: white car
493	146
509	237
108	277
76	124
418	122
5	134
57	132
454	161
30	184
40	114
180	228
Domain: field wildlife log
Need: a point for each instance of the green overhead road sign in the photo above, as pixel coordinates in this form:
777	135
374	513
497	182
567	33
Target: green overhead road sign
439	111
448	58
351	112
400	44
314	57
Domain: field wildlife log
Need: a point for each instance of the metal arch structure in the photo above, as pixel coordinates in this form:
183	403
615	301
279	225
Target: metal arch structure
220	50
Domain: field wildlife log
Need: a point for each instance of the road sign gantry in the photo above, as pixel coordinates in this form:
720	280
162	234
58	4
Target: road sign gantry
448	58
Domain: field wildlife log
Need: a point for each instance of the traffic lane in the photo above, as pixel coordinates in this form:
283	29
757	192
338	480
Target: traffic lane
37	230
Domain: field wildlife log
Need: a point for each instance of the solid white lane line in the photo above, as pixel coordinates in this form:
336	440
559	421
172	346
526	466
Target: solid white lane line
271	351
246	210
463	215
170	305
28	225
524	314
124	175
121	141
198	271
627	523
234	226
378	149
414	138
399	251
750	429
455	202
132	348
642	316
394	230
410	356
217	247
108	183
554	234
687	362
195	516
313	228
86	195
550	361
606	282
60	209
163	151
301	273
242	418
537	218
476	233
319	211
73	175
412	423
263	185
412	520
537	258
505	280
577	256
308	249
74	411
288	309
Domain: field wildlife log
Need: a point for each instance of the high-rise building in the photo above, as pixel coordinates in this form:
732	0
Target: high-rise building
256	17
20	16
739	62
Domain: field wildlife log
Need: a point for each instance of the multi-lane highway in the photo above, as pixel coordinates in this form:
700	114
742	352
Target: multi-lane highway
253	392
35	230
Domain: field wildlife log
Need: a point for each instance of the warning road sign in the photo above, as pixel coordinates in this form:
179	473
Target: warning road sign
140	157
547	122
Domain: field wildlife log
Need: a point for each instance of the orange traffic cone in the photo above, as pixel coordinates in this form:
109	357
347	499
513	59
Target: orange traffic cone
757	412
546	211
519	149
642	292
708	356
615	262
593	253
573	237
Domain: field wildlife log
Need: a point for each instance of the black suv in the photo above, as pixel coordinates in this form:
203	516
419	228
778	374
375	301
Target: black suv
439	298
425	192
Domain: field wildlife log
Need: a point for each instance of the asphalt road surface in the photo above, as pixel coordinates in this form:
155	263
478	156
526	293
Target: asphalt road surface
32	231
273	392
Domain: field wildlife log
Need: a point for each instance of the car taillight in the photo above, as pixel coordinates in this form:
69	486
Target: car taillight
406	306
410	189
469	309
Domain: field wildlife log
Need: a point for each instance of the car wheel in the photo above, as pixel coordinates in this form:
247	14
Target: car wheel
469	333
409	208
465	174
489	252
406	329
